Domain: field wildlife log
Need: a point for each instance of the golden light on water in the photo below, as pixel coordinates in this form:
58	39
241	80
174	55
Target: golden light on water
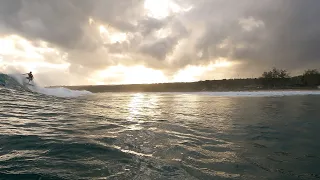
141	104
135	107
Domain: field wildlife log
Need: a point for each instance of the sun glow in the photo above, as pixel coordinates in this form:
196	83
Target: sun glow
102	29
221	63
20	53
160	9
19	47
143	75
91	21
193	73
112	36
131	75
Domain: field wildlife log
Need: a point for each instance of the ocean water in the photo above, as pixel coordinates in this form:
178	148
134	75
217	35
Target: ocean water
65	134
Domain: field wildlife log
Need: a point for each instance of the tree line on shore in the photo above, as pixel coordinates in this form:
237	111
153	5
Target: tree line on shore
279	78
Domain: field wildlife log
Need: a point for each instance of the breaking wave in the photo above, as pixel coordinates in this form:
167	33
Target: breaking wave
18	82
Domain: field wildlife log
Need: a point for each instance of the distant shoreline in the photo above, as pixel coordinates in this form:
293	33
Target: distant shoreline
232	85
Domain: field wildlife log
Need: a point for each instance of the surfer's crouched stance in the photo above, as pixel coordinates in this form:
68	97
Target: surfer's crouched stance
30	76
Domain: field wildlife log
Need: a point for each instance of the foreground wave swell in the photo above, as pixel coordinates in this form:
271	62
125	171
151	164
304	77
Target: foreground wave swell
158	136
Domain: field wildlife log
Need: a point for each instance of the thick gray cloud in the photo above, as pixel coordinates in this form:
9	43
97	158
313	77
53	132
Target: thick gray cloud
159	48
260	34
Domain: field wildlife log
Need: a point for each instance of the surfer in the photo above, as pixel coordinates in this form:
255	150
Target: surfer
30	76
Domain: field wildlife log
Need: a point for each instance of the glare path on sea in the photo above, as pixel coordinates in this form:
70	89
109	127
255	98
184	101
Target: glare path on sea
158	136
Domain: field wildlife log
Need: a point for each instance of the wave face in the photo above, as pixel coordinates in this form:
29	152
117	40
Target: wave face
19	82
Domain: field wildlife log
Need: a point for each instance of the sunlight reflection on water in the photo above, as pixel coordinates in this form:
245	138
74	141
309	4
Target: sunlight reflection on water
160	136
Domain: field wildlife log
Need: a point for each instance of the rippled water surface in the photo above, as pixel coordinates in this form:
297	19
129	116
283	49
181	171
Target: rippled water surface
159	136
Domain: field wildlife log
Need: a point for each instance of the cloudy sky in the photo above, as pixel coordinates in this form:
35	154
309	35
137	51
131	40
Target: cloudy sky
73	42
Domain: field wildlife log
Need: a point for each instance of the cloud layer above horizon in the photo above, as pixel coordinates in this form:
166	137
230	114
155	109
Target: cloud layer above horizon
84	42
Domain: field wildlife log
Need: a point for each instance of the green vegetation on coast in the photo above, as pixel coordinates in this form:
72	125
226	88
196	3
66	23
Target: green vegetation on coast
271	80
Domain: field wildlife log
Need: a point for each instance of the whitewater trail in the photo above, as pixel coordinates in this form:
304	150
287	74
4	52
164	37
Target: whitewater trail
18	82
59	92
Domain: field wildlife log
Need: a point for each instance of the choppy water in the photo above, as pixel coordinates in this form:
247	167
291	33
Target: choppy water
159	136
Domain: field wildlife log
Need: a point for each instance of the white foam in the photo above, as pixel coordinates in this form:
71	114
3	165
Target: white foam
59	92
261	93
